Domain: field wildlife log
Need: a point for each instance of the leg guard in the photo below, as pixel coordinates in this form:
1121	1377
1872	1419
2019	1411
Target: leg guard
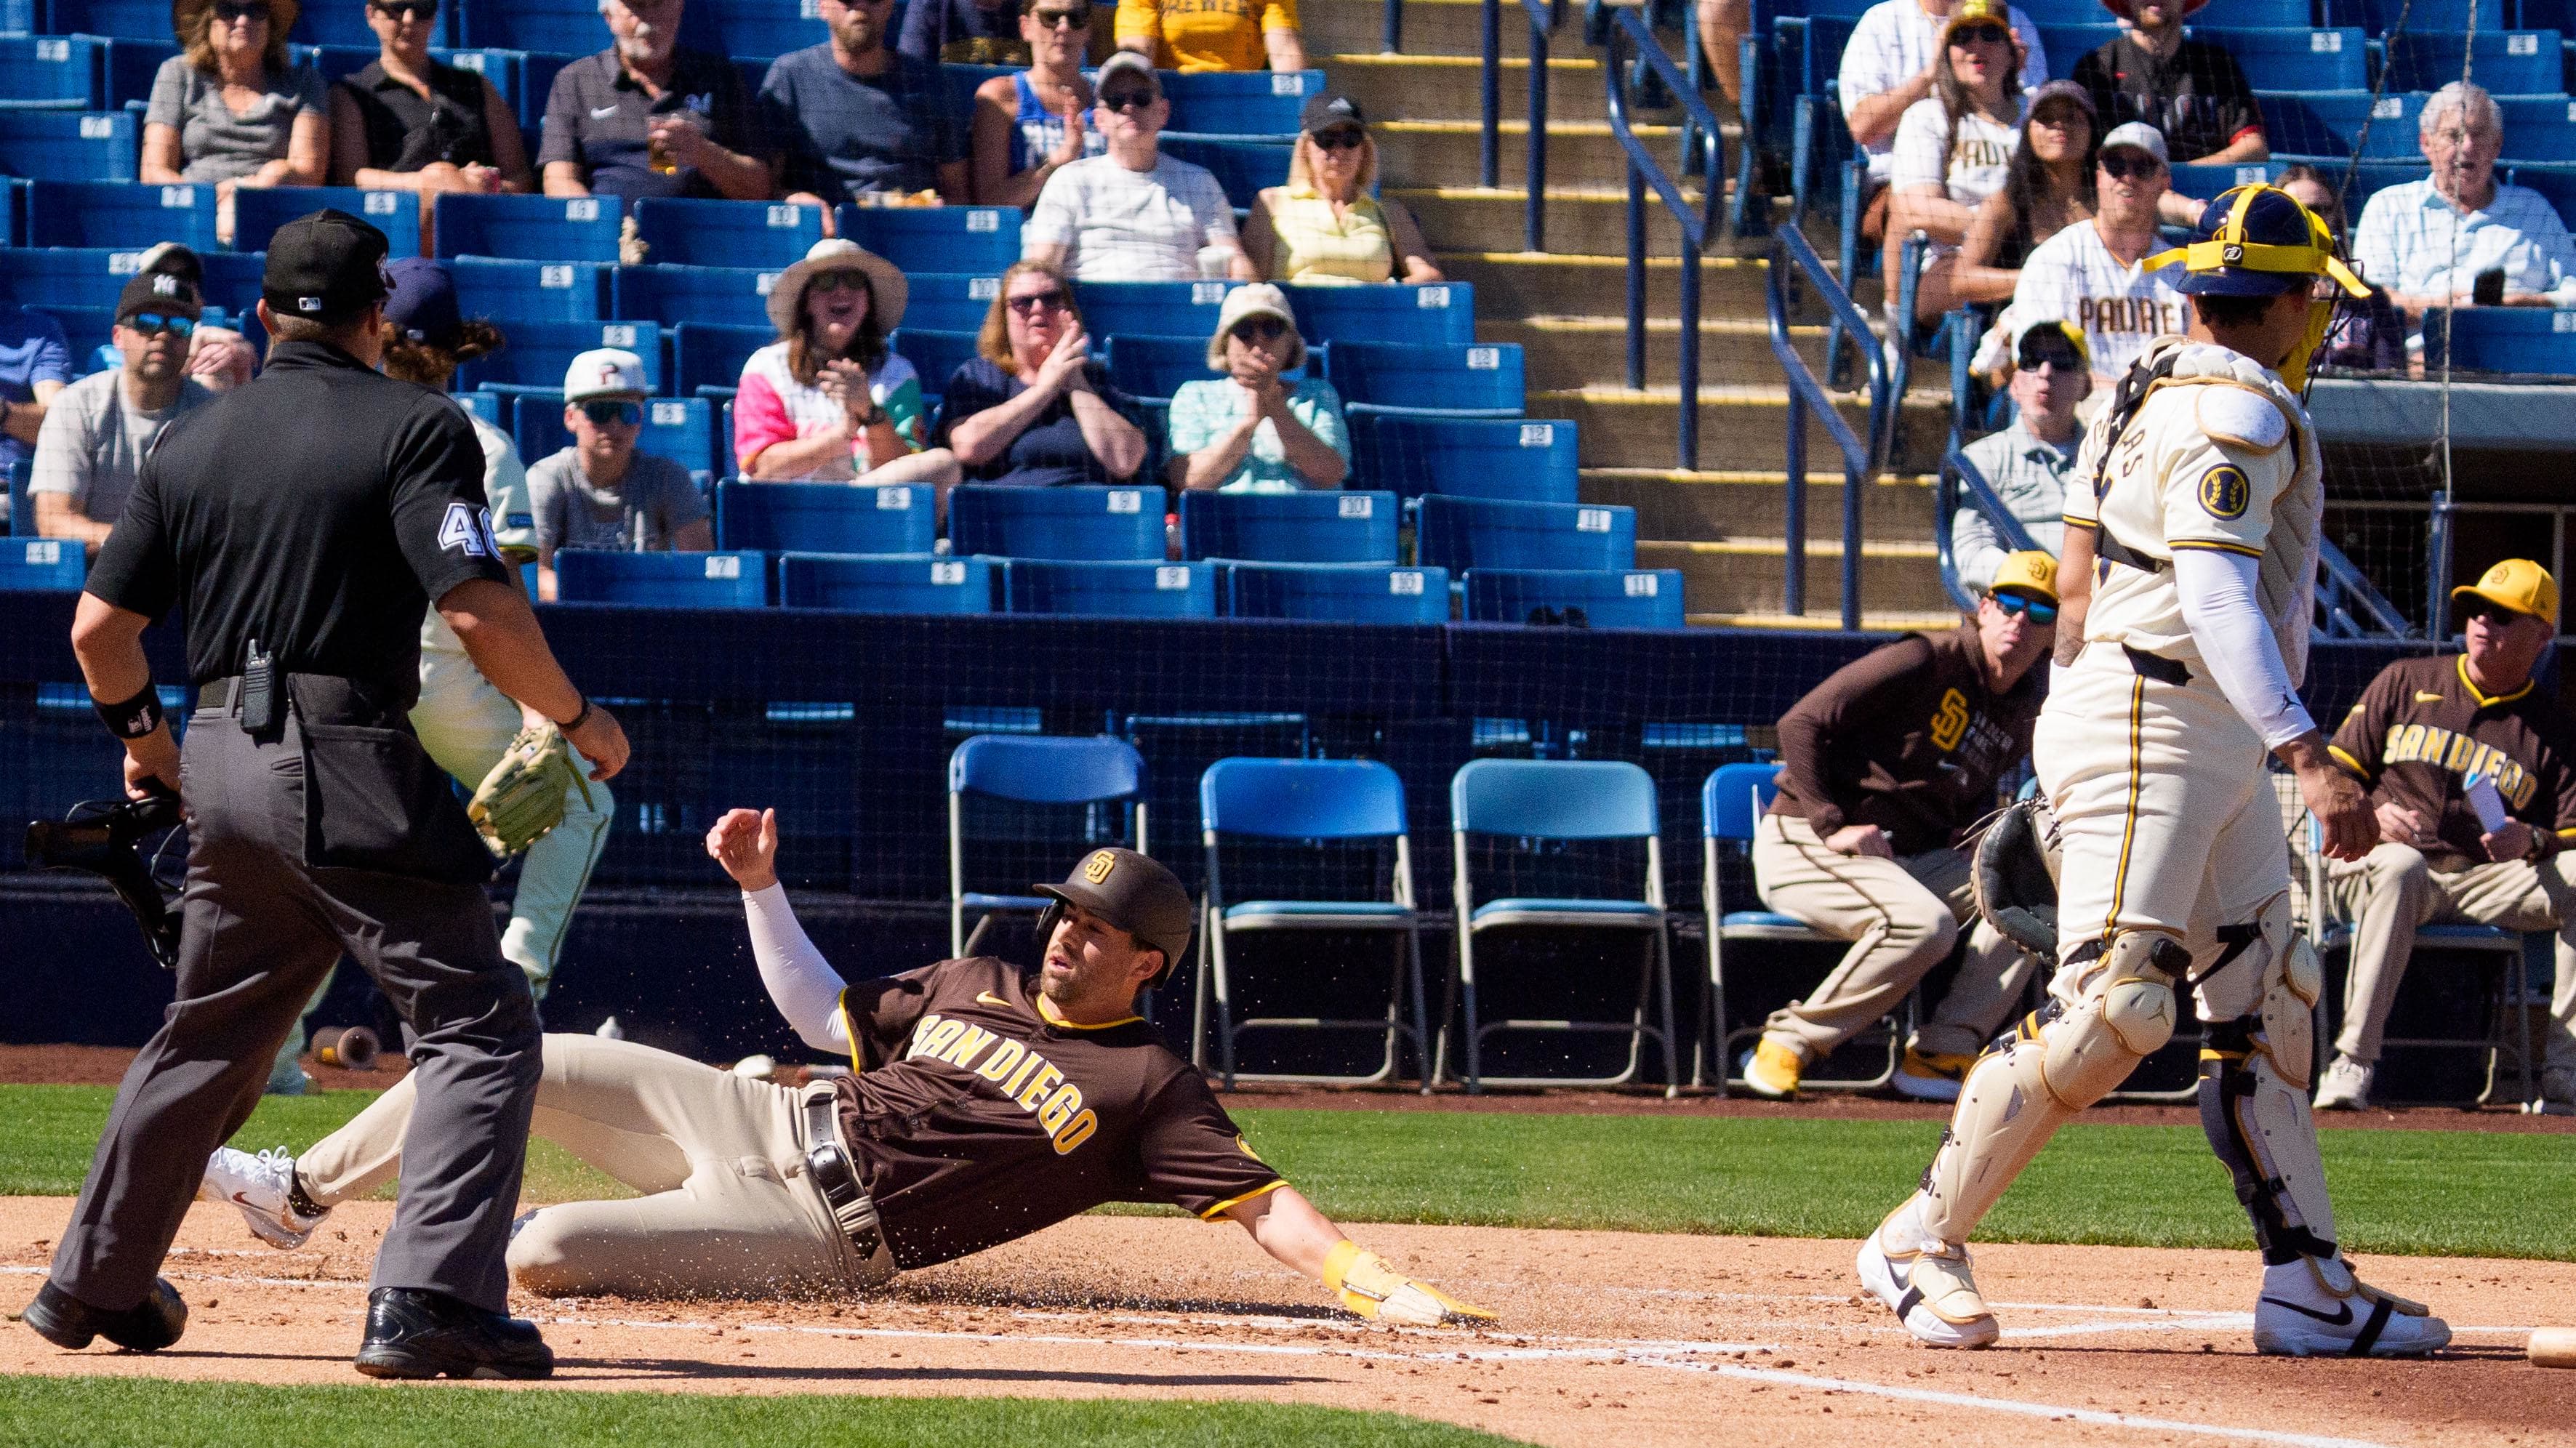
2254	1075
2057	1062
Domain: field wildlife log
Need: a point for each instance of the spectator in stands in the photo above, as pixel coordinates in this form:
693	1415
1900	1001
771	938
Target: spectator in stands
98	429
2191	90
2028	463
2423	729
228	109
1894	60
221	358
2088	273
1034	408
601	492
973	32
1953	147
859	122
1324	226
1030	125
1255	432
2048	186
1884	769
829	401
648	118
408	122
1134	214
35	367
2368	335
1226	35
1722	24
2427	241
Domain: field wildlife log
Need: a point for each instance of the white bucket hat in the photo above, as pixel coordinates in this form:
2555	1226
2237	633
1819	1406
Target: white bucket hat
1255	299
887	290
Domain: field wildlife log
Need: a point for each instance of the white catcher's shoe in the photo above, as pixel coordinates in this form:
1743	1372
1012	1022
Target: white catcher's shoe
1925	1283
263	1187
2315	1307
2345	1086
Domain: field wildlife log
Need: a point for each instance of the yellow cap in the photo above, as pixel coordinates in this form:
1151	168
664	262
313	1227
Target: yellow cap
2033	573
1970	12
2518	584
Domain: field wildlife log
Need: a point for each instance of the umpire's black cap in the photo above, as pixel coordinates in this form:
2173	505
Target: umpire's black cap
325	267
1136	894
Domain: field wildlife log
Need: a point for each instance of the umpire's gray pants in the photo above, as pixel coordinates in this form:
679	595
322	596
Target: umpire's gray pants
261	928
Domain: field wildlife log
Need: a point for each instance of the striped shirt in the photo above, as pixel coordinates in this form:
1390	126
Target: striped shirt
1891	45
2416	242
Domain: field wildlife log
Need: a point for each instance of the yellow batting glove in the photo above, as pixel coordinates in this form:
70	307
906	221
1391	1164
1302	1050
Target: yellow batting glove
1376	1291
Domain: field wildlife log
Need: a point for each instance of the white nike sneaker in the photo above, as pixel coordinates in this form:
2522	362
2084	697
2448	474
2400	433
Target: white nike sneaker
2345	1085
1925	1283
2315	1307
263	1186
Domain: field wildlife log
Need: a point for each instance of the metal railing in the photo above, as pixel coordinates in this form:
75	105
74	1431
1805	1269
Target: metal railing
1793	258
1544	19
1962	480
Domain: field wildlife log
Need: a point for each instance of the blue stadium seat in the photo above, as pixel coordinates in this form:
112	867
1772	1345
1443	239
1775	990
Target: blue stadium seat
501	67
1337	592
2054	12
1481	379
123	19
2557	185
540	351
1306	527
259	211
952	301
130	65
730	295
710	355
824	517
2205	182
69	145
1605	598
2366	178
93	276
2302	59
2423	17
1243	166
1443	313
1147	309
1086	522
561	27
2514	63
885	583
1157	366
681	429
2527	340
682	232
1460	534
1118	590
2279	14
537	71
121	214
2327	125
976	239
2538	128
2069	43
935	355
346	25
753	29
487	406
52	73
1038	770
52	565
85	331
1518	461
532	228
663	580
1731	804
13	211
529	291
1239	103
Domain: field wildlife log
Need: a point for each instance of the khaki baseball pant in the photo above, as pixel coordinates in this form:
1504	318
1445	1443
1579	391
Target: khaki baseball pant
1902	916
2394	891
726	1209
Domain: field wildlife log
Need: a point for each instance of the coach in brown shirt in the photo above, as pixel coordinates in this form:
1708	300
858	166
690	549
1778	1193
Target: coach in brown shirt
1883	767
2422	730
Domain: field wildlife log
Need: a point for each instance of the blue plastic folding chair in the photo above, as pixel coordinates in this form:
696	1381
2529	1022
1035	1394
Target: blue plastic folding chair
981	240
1538	801
2524	340
1340	800
139	19
1037	770
529	291
824	517
1338	592
2325	126
679	429
1086	522
1512	460
530	228
47	565
540	351
753	29
2538	128
1155	367
1439	314
2422	17
1303	527
52	73
69	145
1111	590
1731	802
663	580
681	231
1481	379
125	215
1594	598
51	277
1468	533
565	28
259	211
885	583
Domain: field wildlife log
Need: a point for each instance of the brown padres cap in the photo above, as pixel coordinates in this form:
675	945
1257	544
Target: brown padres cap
1136	894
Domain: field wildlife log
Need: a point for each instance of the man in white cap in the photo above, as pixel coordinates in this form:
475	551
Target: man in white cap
600	492
2088	273
1134	214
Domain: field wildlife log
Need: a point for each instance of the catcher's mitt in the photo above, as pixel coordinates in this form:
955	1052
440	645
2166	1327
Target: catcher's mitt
523	797
2014	874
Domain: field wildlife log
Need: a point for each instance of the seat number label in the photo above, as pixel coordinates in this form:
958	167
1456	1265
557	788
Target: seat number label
894	500
1358	506
1126	500
724	565
1171	578
945	573
1592	520
1404	583
1641	585
1538	434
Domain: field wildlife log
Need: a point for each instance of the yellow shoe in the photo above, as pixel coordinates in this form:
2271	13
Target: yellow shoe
1931	1076
1771	1070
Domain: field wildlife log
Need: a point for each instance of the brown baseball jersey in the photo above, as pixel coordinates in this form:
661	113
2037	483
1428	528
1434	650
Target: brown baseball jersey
2421	729
1907	738
979	1115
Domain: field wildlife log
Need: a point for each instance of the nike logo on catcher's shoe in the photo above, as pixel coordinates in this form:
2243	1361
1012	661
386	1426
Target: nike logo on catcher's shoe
2341	1317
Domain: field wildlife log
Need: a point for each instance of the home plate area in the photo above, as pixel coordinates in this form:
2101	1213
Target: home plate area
1653	1339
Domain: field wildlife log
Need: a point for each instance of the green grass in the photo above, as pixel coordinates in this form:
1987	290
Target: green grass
2463	1193
144	1413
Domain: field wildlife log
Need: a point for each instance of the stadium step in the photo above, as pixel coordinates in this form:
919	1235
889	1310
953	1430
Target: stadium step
1676	504
1431	27
1577	352
1745	427
1452	86
1744	575
1448	152
1529	284
1583	220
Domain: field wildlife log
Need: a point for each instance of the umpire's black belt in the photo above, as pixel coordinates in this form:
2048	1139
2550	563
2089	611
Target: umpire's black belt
837	1177
327	699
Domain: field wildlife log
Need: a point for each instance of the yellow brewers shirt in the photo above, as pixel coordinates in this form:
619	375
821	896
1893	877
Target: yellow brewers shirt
1205	34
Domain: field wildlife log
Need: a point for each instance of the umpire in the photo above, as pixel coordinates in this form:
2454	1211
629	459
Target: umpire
302	524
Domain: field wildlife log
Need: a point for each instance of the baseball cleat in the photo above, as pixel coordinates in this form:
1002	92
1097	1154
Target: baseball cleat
263	1186
2344	1085
2315	1307
148	1326
1931	1076
1771	1070
418	1334
1926	1284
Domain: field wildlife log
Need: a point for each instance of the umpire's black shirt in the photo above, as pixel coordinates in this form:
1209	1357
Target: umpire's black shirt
319	510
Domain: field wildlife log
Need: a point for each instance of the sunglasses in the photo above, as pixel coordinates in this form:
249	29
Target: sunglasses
1062	19
839	281
2129	165
614	414
1128	101
2014	606
411	10
2495	616
229	11
1979	34
1046	301
1348	138
151	322
1259	329
2057	355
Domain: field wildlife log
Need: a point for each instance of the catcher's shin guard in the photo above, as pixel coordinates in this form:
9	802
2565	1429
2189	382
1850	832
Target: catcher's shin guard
2056	1063
2254	1074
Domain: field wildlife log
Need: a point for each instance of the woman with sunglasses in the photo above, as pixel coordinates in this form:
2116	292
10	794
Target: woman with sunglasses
2047	188
228	110
1324	226
408	122
1256	432
1030	124
1953	146
829	401
1033	409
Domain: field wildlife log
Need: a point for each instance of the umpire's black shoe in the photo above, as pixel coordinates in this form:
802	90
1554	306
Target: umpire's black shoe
148	1326
417	1334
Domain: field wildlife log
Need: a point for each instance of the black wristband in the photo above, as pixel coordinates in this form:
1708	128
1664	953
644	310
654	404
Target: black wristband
576	721
135	717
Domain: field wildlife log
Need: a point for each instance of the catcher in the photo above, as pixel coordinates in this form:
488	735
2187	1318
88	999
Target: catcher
984	1105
